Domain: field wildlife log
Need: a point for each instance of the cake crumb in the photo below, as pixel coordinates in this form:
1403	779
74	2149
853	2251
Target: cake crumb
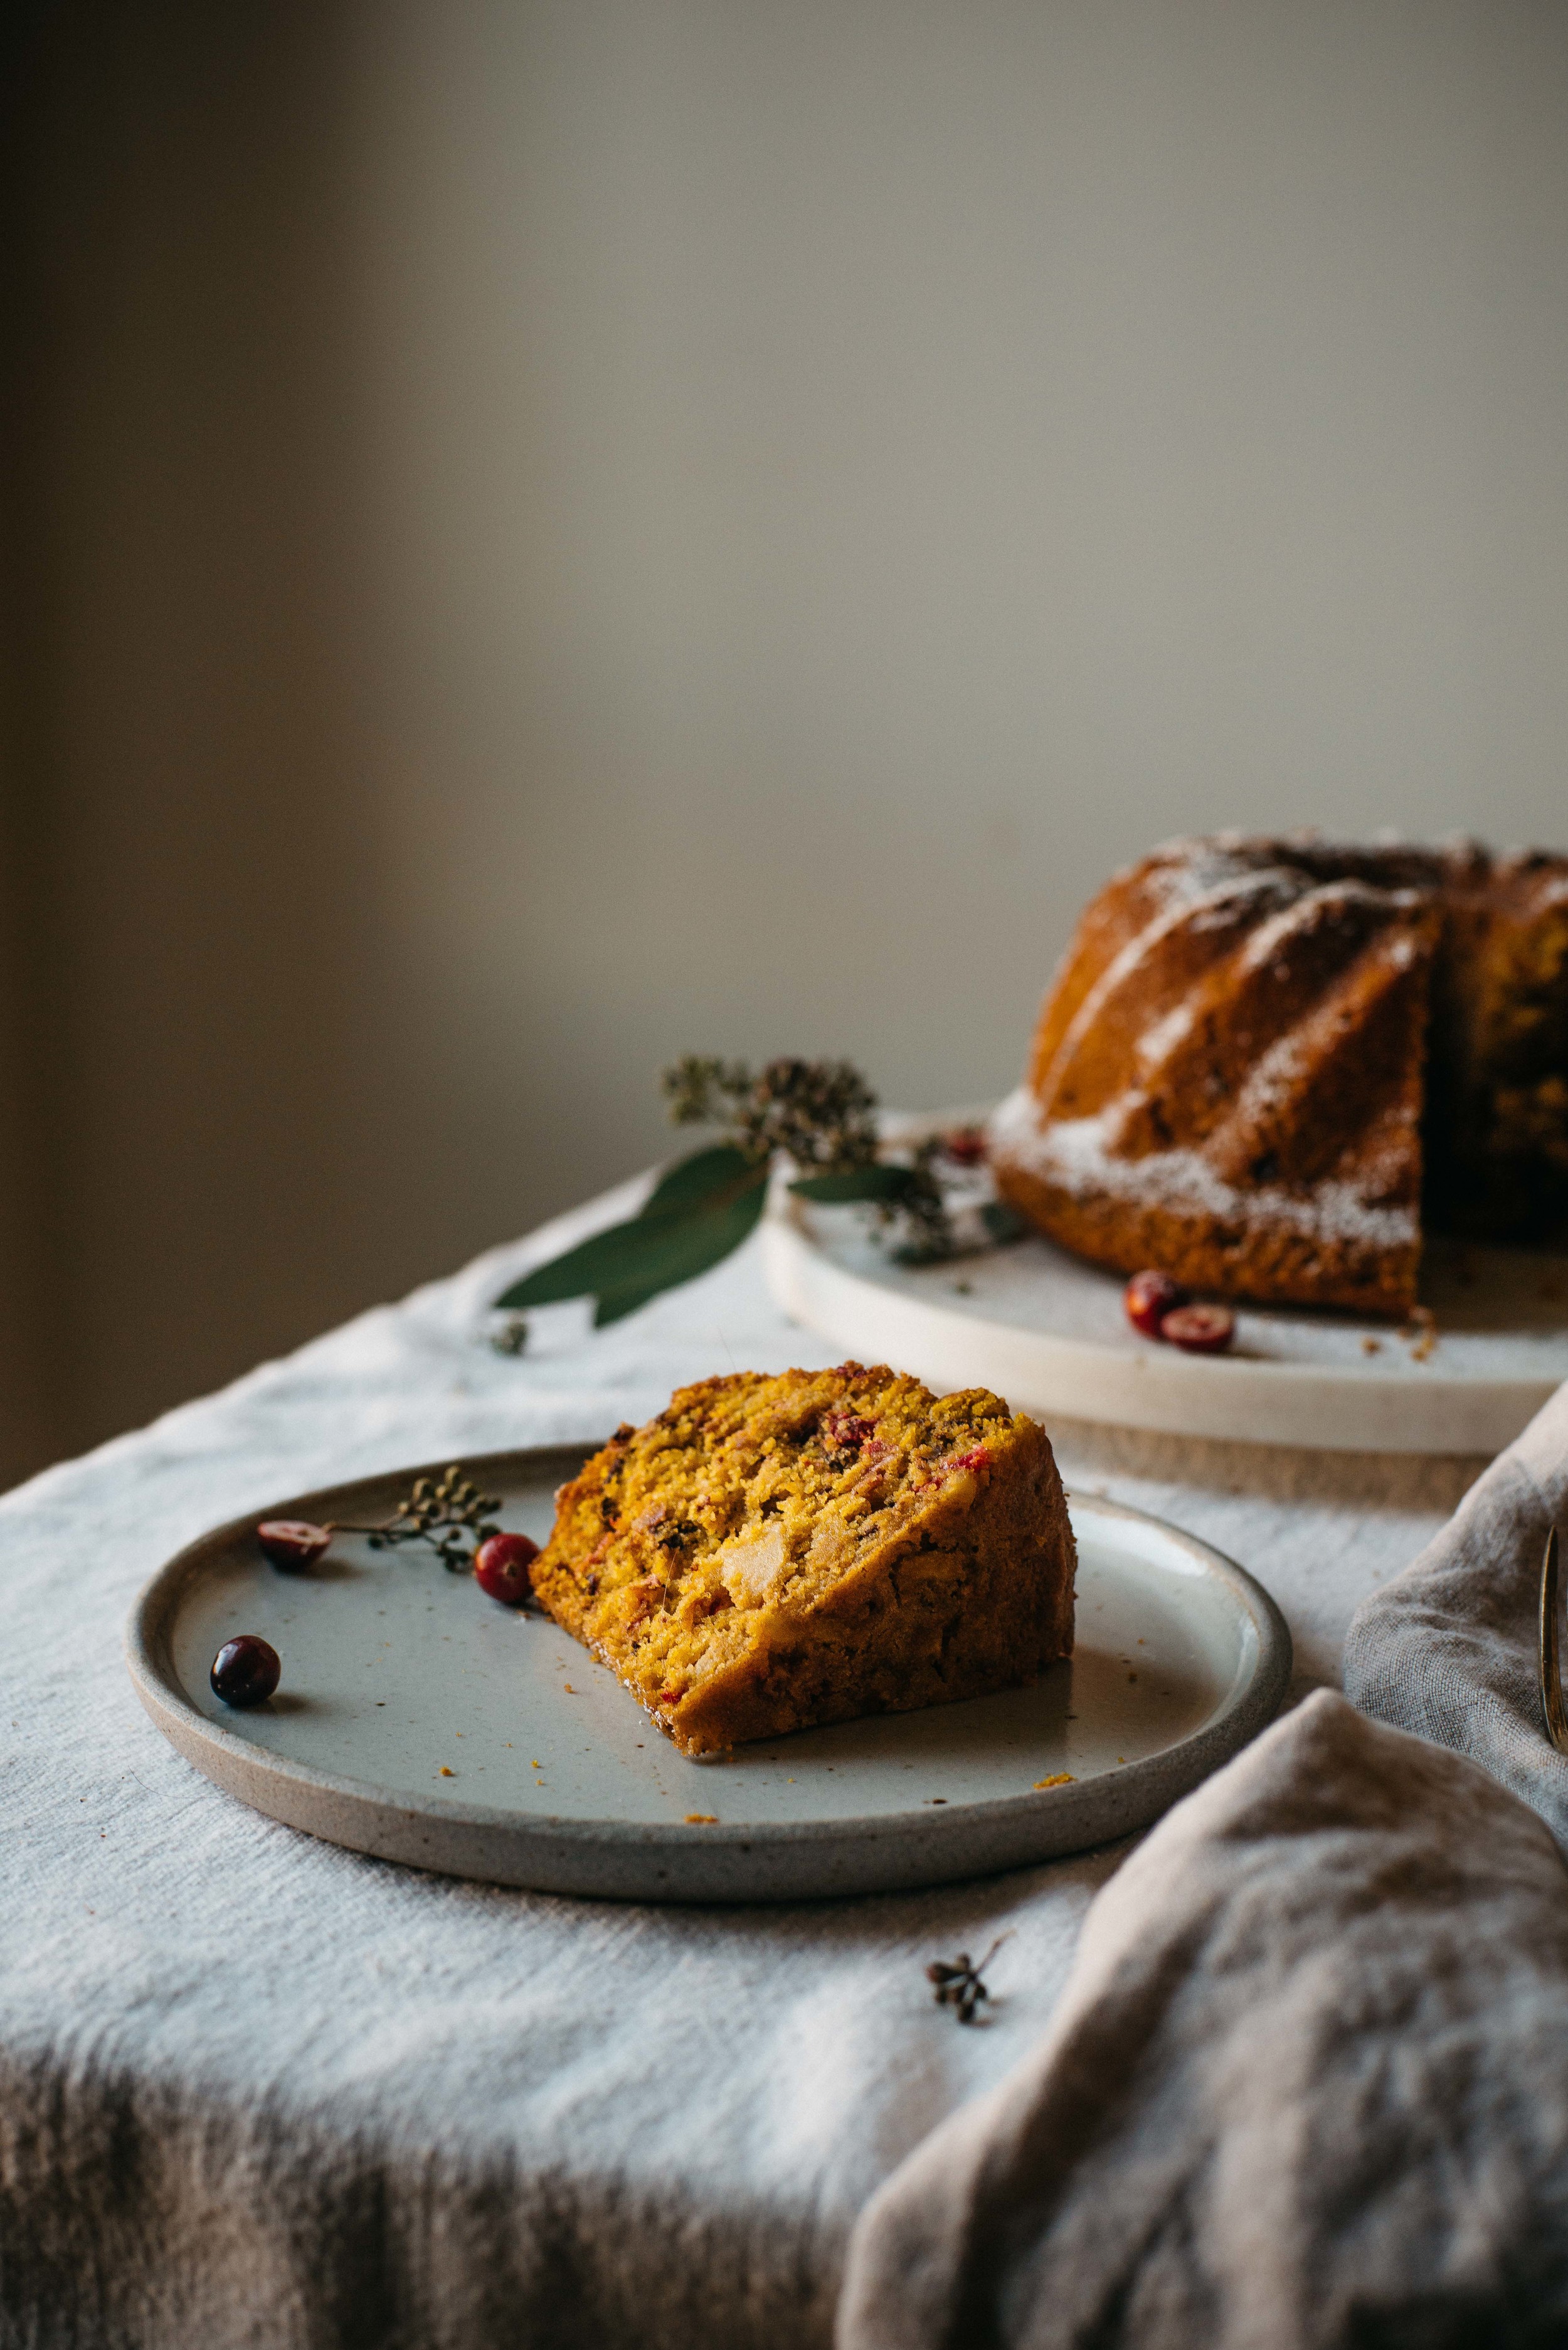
1372	1346
446	1771
702	1819
1422	1330
1057	1779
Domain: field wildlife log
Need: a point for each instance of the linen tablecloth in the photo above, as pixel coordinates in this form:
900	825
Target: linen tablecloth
257	2090
1306	2087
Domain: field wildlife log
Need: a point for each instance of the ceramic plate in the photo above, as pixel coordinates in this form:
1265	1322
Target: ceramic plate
1048	1332
396	1674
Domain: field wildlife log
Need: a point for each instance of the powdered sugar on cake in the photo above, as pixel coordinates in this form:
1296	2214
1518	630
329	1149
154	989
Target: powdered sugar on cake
1075	1156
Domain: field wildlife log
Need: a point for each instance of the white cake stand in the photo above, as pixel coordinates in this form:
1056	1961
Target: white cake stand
1048	1332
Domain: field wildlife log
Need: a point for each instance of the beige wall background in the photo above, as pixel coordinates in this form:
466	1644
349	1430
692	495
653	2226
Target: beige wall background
543	536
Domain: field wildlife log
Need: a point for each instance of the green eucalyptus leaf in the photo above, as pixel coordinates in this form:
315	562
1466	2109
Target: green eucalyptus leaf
636	1260
615	1305
689	1248
702	1176
618	1255
1003	1222
876	1181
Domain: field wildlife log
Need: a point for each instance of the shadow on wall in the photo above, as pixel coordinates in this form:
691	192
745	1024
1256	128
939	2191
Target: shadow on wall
207	1037
550	534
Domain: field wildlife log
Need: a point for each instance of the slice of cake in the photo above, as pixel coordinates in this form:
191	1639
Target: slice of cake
775	1552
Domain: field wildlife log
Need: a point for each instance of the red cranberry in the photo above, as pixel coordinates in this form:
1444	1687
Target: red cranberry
1199	1329
501	1567
1149	1297
245	1670
845	1431
966	1145
293	1543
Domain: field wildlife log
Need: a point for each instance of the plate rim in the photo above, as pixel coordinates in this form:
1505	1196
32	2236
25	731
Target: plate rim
1245	1710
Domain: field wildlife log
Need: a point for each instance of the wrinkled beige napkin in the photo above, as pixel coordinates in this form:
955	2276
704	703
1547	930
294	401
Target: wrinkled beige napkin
1450	1649
1308	2082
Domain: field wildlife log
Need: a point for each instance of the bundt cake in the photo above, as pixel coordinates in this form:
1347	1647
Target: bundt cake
775	1551
1263	1064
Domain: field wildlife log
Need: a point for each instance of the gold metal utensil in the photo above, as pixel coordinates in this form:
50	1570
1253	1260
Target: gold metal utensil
1550	1663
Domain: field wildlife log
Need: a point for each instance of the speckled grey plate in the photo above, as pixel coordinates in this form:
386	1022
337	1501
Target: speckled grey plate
396	1674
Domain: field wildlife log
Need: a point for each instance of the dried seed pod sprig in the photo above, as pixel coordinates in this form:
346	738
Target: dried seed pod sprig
511	1336
438	1510
442	1511
822	1114
922	1209
818	1116
958	1981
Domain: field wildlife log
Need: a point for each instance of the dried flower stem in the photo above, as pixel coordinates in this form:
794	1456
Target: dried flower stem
959	1982
438	1510
823	1115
